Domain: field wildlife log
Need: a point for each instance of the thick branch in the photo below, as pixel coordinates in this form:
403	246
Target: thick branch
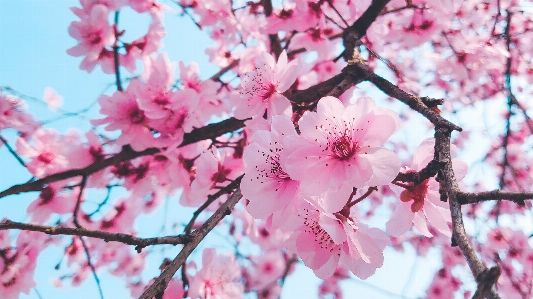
139	243
316	92
517	197
208	132
485	281
418	177
197	236
414	102
449	184
352	34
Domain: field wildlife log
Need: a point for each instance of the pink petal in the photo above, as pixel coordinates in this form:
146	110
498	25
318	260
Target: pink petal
385	166
289	75
333	227
380	128
282	125
282	61
360	171
401	220
436	219
370	253
330	107
279	105
334	201
421	225
460	169
328	269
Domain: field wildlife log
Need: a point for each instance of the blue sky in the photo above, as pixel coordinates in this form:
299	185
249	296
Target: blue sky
33	56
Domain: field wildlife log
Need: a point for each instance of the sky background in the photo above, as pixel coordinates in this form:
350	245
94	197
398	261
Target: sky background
33	56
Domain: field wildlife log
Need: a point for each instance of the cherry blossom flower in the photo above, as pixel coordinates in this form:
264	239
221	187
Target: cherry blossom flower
13	115
316	39
421	205
18	263
340	149
51	98
263	88
297	15
209	103
267	269
324	240
218	278
123	113
51	201
265	184
93	33
48	151
213	169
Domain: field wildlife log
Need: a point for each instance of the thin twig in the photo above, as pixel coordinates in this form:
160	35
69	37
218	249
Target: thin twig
116	56
78	202
12	151
197	236
210	199
93	269
471	198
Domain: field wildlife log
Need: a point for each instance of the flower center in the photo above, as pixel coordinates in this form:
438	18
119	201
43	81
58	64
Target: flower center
417	194
269	90
276	170
313	227
342	147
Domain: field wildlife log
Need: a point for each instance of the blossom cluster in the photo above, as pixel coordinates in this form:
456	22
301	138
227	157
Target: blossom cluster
313	172
98	40
313	175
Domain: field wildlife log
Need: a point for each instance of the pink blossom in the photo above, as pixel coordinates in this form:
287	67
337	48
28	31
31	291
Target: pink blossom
262	89
340	149
218	278
51	201
18	263
268	238
267	269
209	103
265	184
13	115
145	45
316	39
123	113
324	240
93	33
298	15
48	152
51	98
421	205
213	169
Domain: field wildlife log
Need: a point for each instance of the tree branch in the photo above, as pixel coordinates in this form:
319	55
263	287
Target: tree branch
139	243
470	198
208	132
449	185
93	269
414	102
354	33
116	56
418	177
12	151
197	236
